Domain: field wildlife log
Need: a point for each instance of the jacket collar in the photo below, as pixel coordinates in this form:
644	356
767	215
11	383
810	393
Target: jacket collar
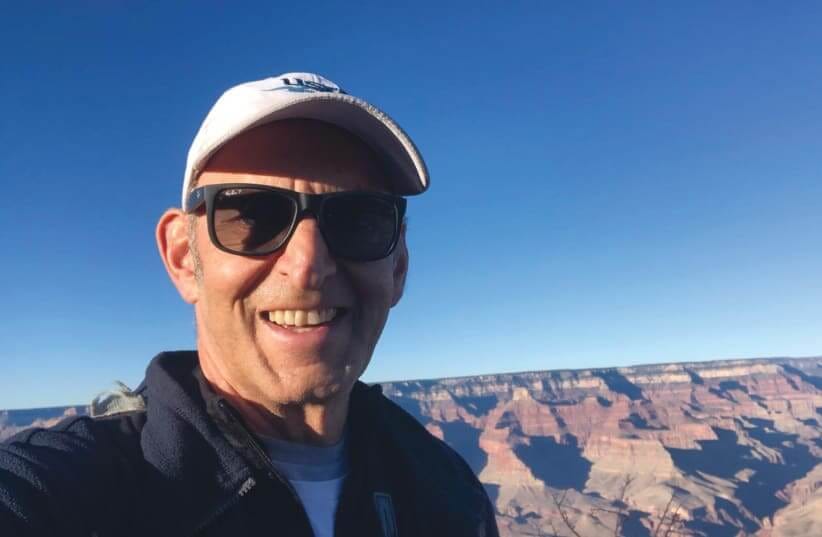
197	467
201	453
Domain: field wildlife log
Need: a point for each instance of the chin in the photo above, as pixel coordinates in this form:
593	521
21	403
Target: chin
334	384
322	387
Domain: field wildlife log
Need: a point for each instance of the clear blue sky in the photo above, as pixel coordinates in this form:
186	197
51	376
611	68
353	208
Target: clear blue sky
611	184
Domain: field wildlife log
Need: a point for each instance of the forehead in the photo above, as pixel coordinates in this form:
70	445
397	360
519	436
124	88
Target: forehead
299	154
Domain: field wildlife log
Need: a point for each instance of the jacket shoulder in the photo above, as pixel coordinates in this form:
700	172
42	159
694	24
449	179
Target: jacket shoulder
79	434
81	465
418	443
440	474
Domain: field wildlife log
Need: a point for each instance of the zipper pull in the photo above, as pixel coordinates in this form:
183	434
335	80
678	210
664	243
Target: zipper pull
247	486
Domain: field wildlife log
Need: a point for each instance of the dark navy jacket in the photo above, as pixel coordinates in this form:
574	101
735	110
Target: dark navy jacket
184	464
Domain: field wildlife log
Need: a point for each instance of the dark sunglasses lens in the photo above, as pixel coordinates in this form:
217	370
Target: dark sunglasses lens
252	221
360	227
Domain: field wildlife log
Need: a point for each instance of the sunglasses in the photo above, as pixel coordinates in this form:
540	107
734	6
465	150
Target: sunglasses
256	220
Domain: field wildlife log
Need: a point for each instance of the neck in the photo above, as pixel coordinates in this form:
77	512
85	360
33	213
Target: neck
315	424
320	423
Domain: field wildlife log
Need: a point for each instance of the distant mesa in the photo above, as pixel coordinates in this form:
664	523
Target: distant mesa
728	447
722	448
15	421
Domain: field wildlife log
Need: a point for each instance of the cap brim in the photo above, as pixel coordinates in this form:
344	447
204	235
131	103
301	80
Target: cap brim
401	158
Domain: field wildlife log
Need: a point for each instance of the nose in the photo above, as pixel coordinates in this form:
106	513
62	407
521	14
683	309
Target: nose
305	259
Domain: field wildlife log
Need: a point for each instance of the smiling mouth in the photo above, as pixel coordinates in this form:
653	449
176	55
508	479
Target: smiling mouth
303	318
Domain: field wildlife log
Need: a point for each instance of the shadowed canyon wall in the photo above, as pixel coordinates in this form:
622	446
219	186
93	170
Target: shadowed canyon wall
724	448
714	448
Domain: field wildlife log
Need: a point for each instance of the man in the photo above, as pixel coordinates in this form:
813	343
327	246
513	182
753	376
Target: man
290	245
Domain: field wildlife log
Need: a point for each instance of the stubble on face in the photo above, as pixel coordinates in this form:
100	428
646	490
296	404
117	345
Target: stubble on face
191	233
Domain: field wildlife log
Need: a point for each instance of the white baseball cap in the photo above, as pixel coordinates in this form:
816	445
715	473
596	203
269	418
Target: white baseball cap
307	96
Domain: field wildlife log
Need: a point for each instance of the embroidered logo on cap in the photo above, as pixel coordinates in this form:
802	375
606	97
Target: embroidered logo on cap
305	86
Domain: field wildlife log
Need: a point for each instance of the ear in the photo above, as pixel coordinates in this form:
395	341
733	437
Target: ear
400	267
172	241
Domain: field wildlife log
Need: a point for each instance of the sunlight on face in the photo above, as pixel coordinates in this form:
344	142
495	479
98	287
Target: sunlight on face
238	296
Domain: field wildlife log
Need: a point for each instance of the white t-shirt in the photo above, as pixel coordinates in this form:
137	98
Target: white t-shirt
317	475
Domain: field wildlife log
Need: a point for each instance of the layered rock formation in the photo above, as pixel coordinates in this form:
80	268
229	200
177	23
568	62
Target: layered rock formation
14	421
717	448
720	449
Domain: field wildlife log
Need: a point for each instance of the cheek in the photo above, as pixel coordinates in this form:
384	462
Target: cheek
225	276
227	283
374	286
230	277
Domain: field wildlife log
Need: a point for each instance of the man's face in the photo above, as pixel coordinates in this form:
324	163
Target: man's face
236	297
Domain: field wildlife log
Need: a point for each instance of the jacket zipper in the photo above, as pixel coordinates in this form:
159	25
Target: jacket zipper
271	472
247	485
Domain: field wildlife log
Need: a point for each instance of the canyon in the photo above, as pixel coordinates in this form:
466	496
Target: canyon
721	448
724	448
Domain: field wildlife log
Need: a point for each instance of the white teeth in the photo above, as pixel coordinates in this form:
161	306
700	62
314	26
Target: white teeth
301	317
313	317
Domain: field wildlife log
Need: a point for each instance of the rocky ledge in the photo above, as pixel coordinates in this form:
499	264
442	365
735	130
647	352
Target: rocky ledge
721	448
